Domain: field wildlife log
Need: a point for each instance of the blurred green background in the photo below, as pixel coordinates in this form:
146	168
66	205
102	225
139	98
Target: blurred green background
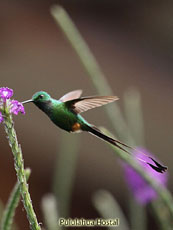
132	41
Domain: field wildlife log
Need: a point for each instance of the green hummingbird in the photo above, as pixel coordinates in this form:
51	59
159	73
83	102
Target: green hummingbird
65	113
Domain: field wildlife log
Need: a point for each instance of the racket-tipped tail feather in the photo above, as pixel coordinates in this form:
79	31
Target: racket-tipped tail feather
95	131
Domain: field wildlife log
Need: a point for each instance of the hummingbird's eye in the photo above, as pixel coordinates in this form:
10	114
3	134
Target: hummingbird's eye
41	96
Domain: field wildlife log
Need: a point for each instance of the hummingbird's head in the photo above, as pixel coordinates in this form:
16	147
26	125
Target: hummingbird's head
41	98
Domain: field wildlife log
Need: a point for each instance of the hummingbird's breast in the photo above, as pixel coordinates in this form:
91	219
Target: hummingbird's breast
45	107
64	118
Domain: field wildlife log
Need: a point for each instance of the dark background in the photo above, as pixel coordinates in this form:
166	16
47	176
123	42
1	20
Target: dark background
132	41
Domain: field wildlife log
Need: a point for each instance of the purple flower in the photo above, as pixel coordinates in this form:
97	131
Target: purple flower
141	190
16	107
12	106
1	117
6	93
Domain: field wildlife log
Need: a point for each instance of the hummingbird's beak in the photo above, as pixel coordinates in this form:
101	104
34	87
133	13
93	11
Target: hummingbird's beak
24	102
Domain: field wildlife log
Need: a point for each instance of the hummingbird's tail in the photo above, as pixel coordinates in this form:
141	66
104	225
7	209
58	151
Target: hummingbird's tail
95	131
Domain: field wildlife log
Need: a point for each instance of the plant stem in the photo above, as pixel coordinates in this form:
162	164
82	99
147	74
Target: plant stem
99	81
161	213
65	170
91	66
138	215
164	194
13	201
19	167
109	208
134	117
133	111
50	212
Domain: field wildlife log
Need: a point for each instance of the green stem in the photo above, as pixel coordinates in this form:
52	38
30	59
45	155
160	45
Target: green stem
164	194
91	66
133	111
99	80
65	170
50	212
163	219
109	208
8	214
19	167
138	215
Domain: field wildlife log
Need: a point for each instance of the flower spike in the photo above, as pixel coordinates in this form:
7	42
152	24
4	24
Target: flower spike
8	106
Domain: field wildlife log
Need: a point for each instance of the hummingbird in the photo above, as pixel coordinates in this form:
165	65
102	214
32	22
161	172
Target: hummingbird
65	113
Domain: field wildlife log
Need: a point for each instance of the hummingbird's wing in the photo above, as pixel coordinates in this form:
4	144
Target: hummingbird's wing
81	105
71	95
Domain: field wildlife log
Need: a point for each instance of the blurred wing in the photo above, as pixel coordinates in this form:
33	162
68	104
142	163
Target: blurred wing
83	104
71	95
